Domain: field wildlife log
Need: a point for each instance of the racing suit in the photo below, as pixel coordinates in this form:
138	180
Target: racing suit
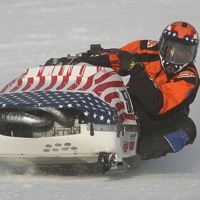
160	101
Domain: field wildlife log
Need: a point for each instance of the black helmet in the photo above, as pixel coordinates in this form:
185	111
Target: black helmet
178	46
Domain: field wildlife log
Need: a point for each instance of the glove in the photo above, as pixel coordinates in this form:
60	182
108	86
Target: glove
127	60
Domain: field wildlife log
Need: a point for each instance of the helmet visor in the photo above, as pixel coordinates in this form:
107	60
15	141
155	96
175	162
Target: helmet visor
177	53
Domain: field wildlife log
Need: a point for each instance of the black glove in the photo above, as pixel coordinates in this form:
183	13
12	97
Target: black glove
124	58
127	60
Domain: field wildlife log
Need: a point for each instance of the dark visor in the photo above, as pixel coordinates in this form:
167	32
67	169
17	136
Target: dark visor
177	53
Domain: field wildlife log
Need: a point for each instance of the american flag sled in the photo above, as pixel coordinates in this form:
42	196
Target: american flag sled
66	115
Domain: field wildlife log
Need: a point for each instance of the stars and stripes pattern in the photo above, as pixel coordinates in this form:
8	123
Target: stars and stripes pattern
86	103
89	89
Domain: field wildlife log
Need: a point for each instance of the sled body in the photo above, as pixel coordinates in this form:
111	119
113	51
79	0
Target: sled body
66	114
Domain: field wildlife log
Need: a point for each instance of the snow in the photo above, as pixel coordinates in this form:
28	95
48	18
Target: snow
31	32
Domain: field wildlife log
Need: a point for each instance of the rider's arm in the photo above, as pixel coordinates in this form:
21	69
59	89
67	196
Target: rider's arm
158	100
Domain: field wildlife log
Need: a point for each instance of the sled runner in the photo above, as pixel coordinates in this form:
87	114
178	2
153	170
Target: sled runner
67	114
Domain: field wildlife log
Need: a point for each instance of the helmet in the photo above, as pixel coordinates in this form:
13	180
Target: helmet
178	46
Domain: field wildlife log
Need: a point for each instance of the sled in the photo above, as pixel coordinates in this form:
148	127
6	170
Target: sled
67	114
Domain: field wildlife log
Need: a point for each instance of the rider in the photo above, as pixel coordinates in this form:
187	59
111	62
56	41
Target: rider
163	83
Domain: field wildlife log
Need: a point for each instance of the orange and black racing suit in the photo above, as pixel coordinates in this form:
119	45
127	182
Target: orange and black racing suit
161	102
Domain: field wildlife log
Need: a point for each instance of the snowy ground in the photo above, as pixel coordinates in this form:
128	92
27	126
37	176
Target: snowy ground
33	31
